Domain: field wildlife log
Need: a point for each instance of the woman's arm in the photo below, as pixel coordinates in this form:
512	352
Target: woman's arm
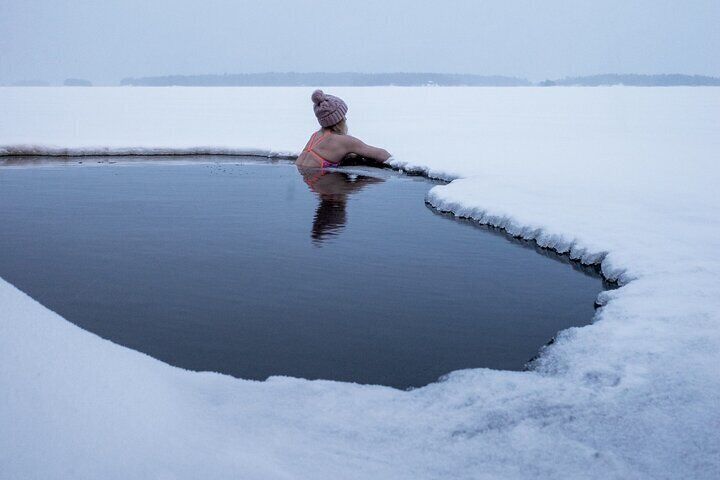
358	147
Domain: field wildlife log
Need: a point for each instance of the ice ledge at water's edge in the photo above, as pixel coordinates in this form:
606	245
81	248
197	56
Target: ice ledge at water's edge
54	151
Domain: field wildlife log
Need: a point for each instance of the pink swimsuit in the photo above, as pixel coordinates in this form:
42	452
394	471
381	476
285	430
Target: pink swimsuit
310	148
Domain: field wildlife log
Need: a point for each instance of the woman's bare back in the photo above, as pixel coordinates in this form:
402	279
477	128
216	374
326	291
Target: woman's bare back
334	147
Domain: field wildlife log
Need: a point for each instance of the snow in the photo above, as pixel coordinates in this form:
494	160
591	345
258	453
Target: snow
622	176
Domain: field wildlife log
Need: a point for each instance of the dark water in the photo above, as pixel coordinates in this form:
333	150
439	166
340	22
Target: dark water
243	269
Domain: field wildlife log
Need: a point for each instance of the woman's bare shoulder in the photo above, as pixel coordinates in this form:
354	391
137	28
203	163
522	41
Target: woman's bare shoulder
357	146
350	141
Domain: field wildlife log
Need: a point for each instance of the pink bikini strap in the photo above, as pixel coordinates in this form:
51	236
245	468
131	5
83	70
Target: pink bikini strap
323	161
313	143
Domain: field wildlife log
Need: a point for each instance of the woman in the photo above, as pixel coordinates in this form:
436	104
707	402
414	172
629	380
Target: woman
331	144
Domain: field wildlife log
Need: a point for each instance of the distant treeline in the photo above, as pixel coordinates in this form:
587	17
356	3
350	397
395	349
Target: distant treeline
327	79
664	80
77	82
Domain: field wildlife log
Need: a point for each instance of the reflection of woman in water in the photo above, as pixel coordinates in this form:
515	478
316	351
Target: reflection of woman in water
328	147
333	189
331	144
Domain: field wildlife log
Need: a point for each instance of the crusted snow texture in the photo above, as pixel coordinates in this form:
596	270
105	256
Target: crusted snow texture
622	176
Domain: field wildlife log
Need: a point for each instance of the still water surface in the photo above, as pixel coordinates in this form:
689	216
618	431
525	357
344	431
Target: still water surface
256	270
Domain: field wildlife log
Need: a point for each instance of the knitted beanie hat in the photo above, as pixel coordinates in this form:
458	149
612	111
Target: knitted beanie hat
329	109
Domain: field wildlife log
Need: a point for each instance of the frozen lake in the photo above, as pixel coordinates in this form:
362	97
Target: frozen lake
622	177
241	268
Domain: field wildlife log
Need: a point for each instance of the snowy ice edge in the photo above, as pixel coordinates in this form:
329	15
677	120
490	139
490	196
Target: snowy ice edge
557	243
19	150
504	221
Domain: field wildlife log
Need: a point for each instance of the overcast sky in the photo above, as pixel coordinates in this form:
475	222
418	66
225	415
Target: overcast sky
104	41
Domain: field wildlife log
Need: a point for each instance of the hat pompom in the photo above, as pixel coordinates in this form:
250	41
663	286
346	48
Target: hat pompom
328	109
318	96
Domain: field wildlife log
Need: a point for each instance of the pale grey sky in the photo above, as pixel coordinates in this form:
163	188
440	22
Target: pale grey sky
107	40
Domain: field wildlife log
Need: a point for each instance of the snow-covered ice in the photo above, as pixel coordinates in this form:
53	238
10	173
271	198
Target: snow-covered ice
622	176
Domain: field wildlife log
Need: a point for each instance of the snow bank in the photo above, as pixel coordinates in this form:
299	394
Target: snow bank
93	151
618	175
